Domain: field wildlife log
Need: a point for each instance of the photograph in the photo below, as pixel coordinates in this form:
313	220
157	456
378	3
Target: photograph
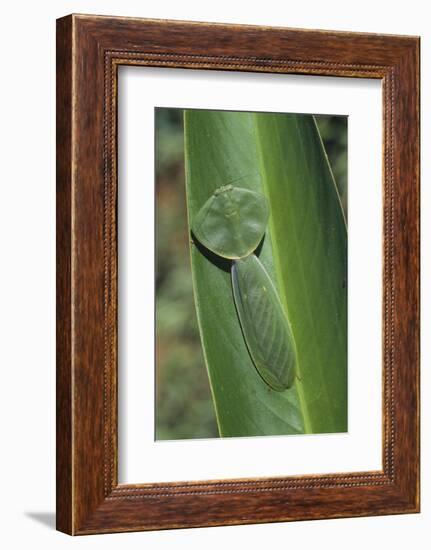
237	271
215	283
251	273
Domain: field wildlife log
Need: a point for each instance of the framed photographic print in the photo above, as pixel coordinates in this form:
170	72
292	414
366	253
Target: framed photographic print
237	274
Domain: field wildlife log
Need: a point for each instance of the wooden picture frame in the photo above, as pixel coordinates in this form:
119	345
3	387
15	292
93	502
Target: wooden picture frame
89	51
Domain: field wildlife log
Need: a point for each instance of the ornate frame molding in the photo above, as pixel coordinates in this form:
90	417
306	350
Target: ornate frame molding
89	498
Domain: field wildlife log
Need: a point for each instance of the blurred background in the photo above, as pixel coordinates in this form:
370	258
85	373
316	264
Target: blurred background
184	406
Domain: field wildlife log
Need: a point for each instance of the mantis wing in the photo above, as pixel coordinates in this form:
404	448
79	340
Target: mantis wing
266	329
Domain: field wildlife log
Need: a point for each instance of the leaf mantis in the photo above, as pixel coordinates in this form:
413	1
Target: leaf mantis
231	224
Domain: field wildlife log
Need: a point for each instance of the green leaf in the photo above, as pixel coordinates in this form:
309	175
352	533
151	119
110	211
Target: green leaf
309	238
304	253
